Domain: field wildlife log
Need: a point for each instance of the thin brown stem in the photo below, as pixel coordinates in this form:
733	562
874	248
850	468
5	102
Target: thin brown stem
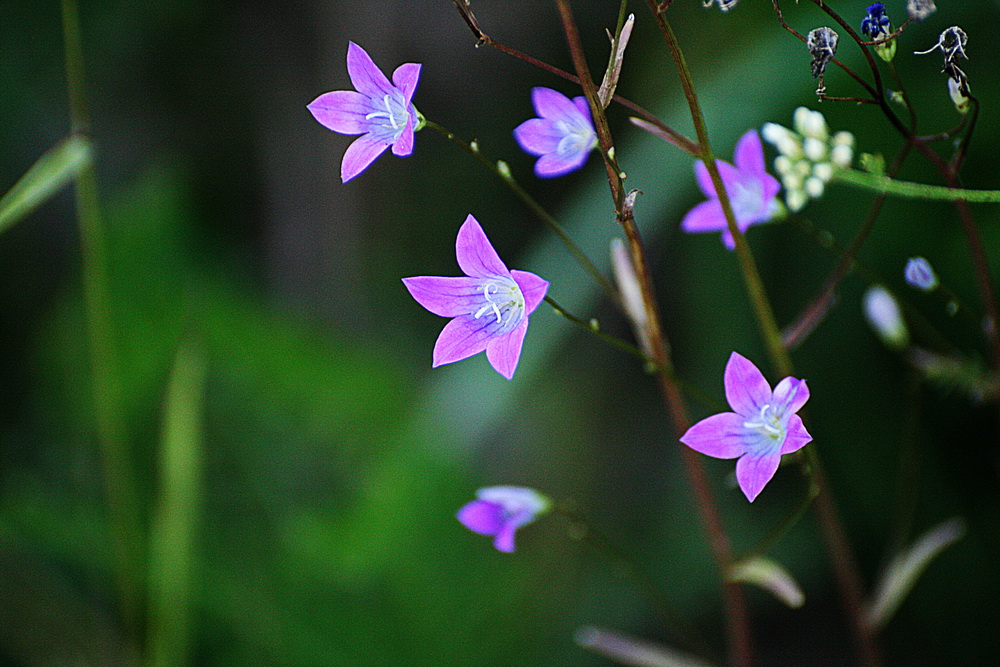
737	618
676	138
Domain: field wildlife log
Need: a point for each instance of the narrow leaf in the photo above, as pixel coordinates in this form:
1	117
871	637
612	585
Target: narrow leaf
770	576
904	570
47	176
628	650
172	535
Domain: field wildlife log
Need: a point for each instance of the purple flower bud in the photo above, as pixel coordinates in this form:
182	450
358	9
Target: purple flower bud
499	511
919	274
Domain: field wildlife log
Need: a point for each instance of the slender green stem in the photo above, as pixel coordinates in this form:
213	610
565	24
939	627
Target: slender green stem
482	38
813	314
737	619
751	275
502	171
791	520
631	570
884	184
123	506
594	328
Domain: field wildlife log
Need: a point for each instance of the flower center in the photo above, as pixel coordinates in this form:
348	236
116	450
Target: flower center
392	119
575	139
746	198
503	300
766	423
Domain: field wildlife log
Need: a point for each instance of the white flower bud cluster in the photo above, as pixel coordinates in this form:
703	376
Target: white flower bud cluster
808	156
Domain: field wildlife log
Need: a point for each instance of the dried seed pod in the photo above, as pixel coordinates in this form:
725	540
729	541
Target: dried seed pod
918	10
822	45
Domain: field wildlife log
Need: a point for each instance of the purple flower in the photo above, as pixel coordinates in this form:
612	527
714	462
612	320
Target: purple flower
762	426
752	192
562	137
489	304
380	111
501	510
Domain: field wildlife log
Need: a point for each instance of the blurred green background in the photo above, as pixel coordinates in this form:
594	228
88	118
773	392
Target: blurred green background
295	462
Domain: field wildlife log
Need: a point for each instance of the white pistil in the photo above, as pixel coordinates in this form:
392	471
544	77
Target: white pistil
490	304
766	421
387	114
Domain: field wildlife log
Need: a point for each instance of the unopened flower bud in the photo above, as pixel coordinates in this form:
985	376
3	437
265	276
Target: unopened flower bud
810	123
814	149
823	171
919	274
795	199
884	316
842	156
814	187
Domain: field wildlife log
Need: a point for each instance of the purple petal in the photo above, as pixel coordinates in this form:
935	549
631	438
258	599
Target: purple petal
342	111
504	540
475	253
705	217
403	146
405	78
552	104
584	108
753	473
551	165
504	351
796	435
532	287
791	395
481	516
729	174
446	296
720	436
538	136
746	389
359	155
749	154
461	338
771	188
367	78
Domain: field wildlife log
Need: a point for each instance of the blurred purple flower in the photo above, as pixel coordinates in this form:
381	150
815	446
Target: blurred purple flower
762	427
380	111
752	192
490	305
501	510
562	136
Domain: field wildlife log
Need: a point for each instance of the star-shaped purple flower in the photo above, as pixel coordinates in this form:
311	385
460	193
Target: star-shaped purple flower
562	136
762	426
501	510
380	111
490	305
752	192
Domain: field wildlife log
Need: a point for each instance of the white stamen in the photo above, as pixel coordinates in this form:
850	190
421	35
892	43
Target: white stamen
490	304
765	422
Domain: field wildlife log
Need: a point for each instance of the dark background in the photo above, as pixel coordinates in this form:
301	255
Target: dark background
333	458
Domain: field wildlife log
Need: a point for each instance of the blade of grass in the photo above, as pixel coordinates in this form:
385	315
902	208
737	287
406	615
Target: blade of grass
173	530
56	168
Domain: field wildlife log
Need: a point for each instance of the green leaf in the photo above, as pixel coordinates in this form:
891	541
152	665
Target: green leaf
628	650
172	535
904	570
770	576
47	176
